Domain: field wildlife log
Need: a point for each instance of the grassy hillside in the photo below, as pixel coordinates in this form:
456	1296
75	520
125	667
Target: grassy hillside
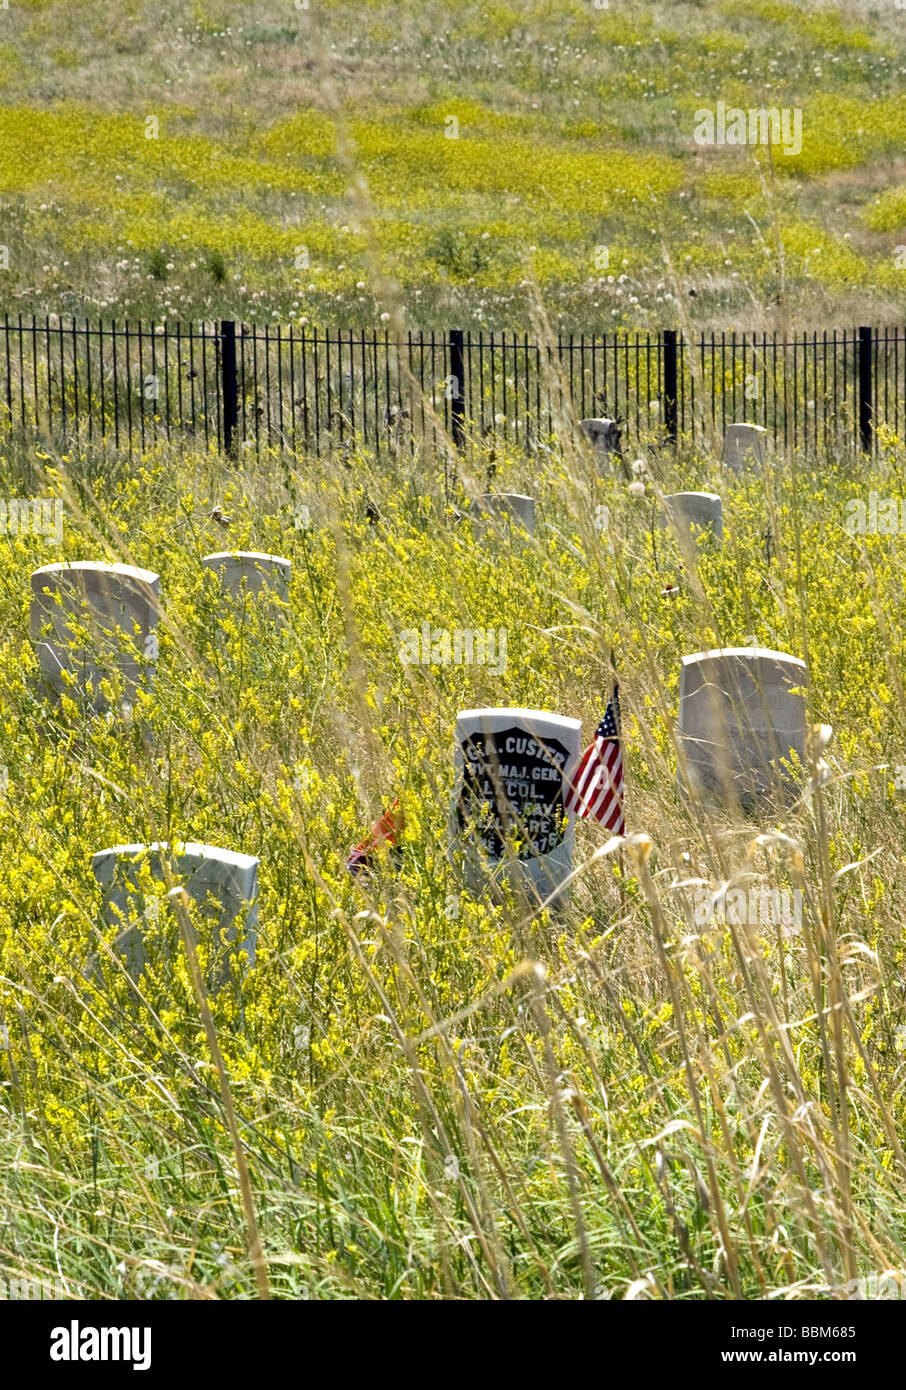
438	1095
301	168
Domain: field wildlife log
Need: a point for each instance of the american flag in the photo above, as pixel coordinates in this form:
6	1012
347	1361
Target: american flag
597	784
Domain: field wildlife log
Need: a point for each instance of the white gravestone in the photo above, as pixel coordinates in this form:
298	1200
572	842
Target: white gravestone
738	719
702	511
744	445
512	768
117	608
605	435
509	509
250	571
223	883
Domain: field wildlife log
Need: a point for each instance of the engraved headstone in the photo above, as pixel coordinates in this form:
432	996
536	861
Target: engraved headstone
506	511
95	621
738	719
700	511
223	883
512	769
250	571
744	446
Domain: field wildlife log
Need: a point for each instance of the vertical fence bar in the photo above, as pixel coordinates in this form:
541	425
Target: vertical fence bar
824	385
75	376
21	374
256	393
670	394
264	407
228	384
305	410
155	389
101	379
167	340
363	361
292	392
866	406
457	400
9	371
203	339
128	384
328	381
34	364
434	377
180	371
116	397
377	392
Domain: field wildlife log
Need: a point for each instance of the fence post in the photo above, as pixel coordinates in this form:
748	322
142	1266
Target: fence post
670	380
866	403
458	398
229	388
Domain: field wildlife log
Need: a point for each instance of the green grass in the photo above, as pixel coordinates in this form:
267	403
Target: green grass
433	1094
439	1096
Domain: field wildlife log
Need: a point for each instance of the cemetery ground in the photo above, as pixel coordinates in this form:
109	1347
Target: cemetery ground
229	159
434	1095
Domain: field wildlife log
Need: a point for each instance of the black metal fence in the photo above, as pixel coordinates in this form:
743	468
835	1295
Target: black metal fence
233	386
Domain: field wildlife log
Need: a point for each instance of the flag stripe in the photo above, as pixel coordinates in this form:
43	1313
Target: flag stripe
597	785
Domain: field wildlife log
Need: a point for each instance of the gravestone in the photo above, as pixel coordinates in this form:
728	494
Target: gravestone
250	571
702	511
508	509
512	769
744	446
223	883
606	436
738	718
117	606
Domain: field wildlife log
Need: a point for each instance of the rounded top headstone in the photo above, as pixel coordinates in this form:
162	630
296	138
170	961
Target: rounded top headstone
513	509
710	497
99	567
703	510
104	862
744	443
512	770
252	557
497	714
222	882
741	716
765	653
250	571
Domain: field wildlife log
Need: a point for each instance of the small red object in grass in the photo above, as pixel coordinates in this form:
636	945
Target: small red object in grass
671	591
385	831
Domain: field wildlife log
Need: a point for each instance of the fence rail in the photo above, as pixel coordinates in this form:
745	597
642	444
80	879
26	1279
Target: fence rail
232	386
